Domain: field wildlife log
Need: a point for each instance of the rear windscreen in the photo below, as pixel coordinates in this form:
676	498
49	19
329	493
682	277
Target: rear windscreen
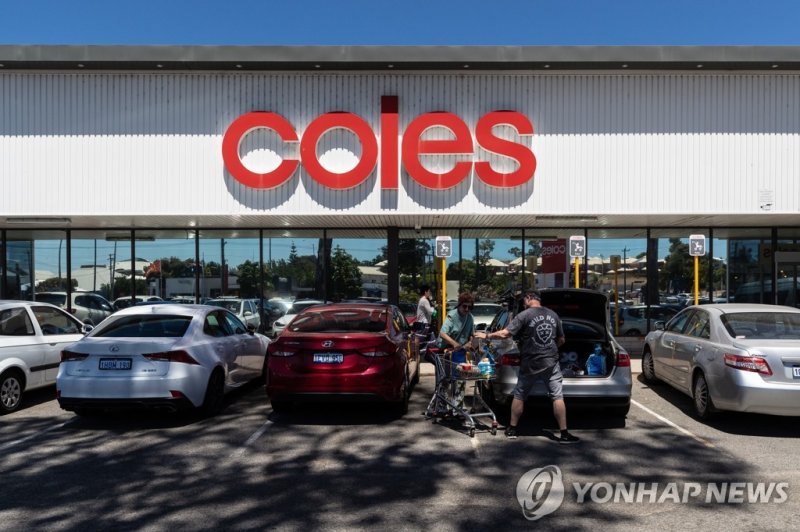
356	320
54	299
763	325
233	306
145	327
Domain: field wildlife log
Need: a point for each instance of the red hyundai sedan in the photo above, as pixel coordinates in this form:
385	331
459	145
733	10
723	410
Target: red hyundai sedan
342	352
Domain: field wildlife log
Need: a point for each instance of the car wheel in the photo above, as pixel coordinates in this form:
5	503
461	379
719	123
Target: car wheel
400	408
648	368
633	332
215	393
703	405
280	407
11	386
415	380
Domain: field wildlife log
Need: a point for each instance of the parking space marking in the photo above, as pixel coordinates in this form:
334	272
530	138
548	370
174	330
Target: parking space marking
698	439
252	439
14	443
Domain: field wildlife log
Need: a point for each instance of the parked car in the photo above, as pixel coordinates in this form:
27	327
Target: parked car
164	356
483	314
585	318
32	335
296	307
270	312
743	357
245	309
128	301
633	318
344	351
86	306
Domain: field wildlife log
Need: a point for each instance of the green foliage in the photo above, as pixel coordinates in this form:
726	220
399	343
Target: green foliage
55	284
345	276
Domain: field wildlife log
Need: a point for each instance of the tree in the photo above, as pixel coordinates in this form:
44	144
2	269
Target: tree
249	278
55	284
345	276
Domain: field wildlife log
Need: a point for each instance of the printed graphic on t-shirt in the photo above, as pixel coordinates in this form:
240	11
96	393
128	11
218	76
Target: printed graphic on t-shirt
544	329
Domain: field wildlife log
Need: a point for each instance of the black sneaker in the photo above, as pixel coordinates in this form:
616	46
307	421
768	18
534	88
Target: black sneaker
566	437
511	433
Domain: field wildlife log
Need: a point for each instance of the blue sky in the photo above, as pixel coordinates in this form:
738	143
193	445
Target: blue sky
416	22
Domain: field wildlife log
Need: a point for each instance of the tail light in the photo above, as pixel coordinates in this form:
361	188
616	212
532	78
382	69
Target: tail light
754	364
279	350
374	353
508	360
623	359
171	356
68	356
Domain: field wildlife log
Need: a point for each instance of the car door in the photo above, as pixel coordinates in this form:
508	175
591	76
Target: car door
663	350
58	330
218	334
21	345
692	345
409	346
249	353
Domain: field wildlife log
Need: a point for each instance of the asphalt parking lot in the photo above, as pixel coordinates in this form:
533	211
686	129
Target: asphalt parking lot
353	467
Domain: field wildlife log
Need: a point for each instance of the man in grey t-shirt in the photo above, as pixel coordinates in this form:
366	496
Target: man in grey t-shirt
542	335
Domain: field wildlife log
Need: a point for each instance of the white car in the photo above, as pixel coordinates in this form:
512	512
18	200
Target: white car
163	356
32	335
245	309
86	306
127	301
297	307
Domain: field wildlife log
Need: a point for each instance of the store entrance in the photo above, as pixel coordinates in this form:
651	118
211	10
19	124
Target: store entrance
787	271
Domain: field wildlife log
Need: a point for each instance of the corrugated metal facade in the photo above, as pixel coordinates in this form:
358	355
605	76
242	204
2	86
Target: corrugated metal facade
142	145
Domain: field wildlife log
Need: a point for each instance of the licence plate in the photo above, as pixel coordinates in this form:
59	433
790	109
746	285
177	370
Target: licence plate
328	358
796	372
115	363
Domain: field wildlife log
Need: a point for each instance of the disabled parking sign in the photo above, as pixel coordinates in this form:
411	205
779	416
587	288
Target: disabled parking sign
444	246
697	245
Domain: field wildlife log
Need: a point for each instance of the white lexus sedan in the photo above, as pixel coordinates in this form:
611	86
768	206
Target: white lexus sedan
166	357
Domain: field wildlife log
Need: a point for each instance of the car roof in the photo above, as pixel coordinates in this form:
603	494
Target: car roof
166	308
11	303
724	308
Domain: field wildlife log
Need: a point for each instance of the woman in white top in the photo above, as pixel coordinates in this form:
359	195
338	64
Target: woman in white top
424	308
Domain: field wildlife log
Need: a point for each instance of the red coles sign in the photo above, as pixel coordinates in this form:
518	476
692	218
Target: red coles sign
412	146
554	256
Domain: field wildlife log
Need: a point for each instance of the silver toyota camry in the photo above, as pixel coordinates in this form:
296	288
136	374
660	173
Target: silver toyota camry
730	356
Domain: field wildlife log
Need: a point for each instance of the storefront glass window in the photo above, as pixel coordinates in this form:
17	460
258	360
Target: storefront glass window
419	265
748	265
37	262
229	264
101	263
165	260
356	259
292	265
492	259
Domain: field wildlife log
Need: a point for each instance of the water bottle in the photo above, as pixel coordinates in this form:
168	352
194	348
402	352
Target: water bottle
486	368
596	364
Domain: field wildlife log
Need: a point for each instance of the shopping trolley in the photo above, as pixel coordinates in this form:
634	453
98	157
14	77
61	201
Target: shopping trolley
456	370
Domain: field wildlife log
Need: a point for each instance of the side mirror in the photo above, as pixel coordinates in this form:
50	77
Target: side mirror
480	327
86	329
251	329
660	325
247	313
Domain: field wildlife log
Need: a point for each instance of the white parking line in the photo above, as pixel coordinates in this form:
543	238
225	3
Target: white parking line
673	425
14	443
252	439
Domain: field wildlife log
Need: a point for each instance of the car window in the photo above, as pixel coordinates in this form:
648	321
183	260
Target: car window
764	325
145	326
677	324
229	304
234	324
698	325
214	326
15	322
83	301
100	304
349	320
56	321
58	300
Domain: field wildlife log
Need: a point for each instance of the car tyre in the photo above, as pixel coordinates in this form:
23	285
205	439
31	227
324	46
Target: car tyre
400	408
633	332
280	407
215	394
703	405
11	386
648	367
